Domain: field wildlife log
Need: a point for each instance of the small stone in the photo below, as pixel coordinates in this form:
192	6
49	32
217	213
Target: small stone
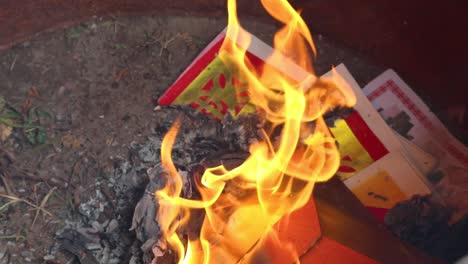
48	257
11	244
59	117
27	255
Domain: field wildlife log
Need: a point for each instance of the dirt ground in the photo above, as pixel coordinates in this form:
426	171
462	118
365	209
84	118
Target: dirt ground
80	98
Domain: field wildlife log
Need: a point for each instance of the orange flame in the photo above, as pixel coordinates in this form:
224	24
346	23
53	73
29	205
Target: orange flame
279	175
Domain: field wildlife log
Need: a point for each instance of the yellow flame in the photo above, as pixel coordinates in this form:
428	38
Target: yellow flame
279	175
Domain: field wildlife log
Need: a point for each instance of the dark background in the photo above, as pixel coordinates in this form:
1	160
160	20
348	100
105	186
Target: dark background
426	42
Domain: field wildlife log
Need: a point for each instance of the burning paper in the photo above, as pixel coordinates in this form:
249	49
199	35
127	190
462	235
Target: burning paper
375	166
279	175
214	85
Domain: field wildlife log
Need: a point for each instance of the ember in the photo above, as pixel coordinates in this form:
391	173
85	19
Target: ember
278	177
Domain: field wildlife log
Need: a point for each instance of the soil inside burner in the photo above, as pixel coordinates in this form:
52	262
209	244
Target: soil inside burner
91	90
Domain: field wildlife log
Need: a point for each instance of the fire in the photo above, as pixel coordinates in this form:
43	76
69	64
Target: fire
279	175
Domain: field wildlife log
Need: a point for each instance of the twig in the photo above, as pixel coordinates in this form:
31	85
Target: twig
120	75
5	183
166	43
43	203
16	237
14	199
38	178
34	187
12	66
69	181
116	24
3	207
10	156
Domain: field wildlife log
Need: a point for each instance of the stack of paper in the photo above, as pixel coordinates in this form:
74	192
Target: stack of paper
407	114
379	166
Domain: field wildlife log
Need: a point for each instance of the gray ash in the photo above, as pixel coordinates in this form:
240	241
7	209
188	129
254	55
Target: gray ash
423	222
120	212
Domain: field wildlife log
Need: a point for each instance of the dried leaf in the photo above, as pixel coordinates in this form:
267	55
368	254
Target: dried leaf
27	103
120	75
33	92
109	141
5	132
70	141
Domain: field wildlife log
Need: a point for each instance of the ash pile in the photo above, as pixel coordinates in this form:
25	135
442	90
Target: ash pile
117	222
